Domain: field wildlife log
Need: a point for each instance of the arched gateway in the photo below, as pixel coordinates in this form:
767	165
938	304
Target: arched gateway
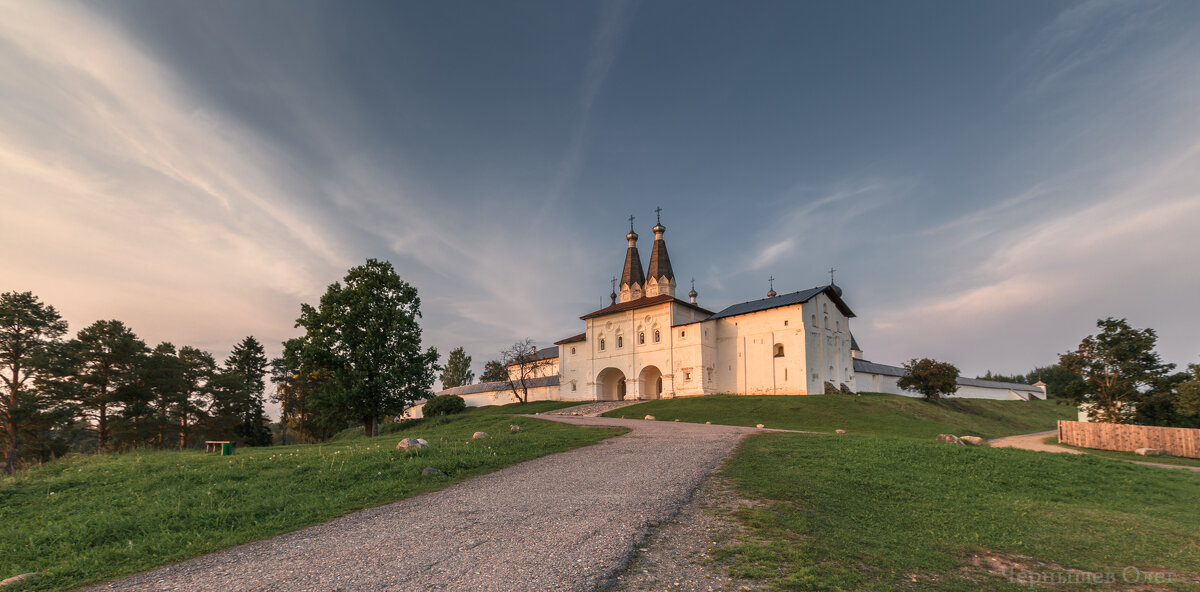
650	383
610	385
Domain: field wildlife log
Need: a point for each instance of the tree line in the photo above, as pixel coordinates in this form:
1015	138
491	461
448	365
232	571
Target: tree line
1118	375
106	389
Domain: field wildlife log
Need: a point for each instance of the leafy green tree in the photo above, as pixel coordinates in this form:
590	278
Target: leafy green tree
366	337
1116	364
241	395
458	369
443	405
931	378
28	332
187	406
494	371
164	380
107	358
1188	393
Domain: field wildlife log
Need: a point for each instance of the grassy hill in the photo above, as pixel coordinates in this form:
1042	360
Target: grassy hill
868	413
882	513
85	519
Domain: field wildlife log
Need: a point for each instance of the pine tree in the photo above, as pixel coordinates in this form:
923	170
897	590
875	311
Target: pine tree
107	357
28	332
458	369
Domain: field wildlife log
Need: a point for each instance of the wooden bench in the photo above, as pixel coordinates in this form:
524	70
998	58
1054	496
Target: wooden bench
214	445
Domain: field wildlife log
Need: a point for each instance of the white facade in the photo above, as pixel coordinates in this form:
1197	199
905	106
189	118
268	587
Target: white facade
648	344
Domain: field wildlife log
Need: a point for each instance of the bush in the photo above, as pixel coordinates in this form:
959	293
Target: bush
931	378
444	405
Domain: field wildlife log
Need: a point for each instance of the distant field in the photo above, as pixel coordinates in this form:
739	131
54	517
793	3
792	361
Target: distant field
868	413
878	513
85	519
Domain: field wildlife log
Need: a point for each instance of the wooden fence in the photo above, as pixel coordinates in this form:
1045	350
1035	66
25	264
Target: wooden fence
1127	438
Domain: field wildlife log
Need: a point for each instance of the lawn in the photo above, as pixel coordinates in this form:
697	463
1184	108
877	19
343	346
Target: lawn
869	413
1119	455
875	513
85	519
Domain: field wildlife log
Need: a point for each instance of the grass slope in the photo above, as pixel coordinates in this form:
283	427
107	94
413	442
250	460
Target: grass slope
869	413
85	519
871	513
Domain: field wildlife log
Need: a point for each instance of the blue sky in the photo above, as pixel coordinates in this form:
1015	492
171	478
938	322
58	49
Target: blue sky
989	178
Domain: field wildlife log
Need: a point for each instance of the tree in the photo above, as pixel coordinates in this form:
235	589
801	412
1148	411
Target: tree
240	397
458	369
494	371
165	382
1117	363
1187	401
187	407
366	338
931	378
107	357
525	364
28	331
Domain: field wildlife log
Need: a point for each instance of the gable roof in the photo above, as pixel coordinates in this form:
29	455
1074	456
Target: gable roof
642	303
572	339
784	300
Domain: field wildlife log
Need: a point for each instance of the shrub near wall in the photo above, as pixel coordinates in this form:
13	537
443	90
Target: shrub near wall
443	405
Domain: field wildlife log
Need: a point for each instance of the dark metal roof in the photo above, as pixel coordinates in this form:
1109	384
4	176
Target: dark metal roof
660	262
854	344
489	387
641	303
784	300
873	368
633	274
572	339
545	353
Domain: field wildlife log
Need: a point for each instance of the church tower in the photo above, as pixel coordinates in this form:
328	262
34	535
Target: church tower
633	279
661	278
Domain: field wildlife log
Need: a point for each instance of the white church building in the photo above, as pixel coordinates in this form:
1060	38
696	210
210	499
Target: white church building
649	344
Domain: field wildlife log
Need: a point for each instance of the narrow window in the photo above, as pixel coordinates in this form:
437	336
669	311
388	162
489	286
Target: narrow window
682	334
827	322
785	323
620	341
687	375
601	344
641	338
814	320
572	385
779	350
657	336
572	353
784	378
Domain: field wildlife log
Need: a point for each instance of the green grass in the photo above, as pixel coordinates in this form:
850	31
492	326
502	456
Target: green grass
869	413
530	408
1118	455
85	519
872	513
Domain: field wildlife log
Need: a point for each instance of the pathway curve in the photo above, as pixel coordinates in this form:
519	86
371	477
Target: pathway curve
592	409
567	521
1035	442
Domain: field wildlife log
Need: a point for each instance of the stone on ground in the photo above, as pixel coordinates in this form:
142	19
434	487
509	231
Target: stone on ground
432	471
973	440
759	426
479	435
411	444
649	418
18	579
514	428
1151	452
839	431
949	439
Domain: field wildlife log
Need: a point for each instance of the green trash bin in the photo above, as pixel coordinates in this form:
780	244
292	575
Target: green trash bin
227	449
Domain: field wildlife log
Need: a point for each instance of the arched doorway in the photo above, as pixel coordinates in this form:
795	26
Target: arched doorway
610	385
650	383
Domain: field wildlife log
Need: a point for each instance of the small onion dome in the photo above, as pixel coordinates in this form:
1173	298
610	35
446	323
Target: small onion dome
659	228
693	294
632	235
772	293
836	289
613	296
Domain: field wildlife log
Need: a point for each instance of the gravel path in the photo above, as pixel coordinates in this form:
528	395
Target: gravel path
568	521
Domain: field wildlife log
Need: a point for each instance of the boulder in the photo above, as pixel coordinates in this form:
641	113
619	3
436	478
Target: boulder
422	442
479	435
514	428
949	439
677	420
708	423
411	444
432	472
18	579
839	431
974	440
649	418
1151	452
759	426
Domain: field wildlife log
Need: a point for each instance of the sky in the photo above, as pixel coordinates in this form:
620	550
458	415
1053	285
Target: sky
988	178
